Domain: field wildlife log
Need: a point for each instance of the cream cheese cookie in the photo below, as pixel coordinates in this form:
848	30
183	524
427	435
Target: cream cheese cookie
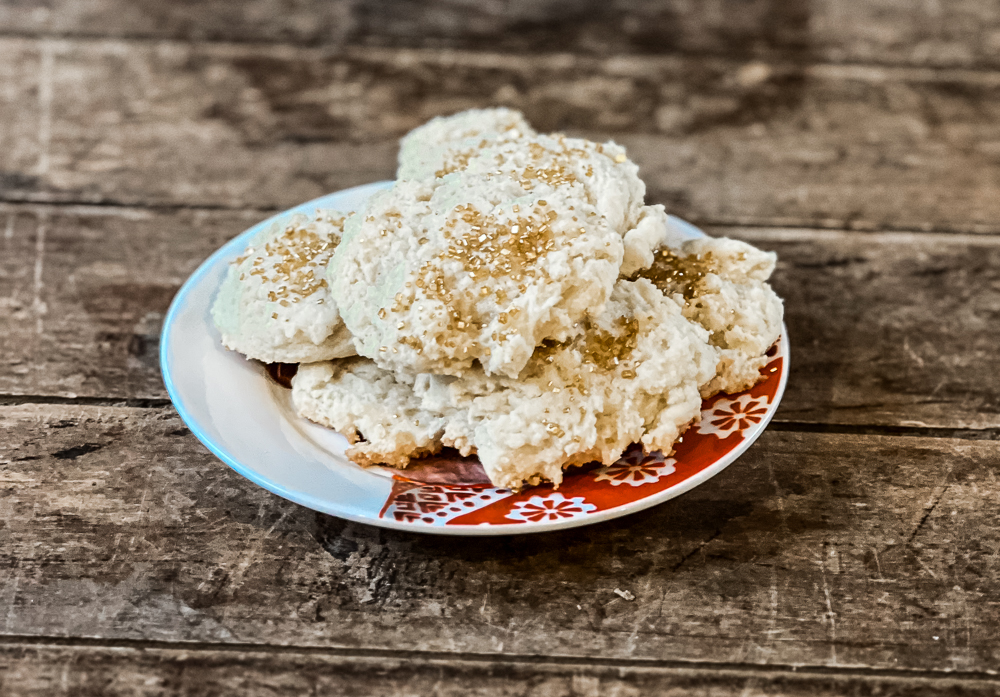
721	284
274	304
632	376
374	409
431	278
446	143
599	173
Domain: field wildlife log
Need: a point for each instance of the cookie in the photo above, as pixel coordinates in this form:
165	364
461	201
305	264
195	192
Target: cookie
445	144
721	284
371	407
274	304
632	375
475	269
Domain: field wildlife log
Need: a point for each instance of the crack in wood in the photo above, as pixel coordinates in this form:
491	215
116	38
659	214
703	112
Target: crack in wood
927	513
131	402
694	551
77	451
20	640
101	206
383	37
886	430
775	425
43	202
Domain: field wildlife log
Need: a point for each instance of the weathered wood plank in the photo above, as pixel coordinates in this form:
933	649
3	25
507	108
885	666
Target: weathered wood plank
83	294
21	126
718	141
889	329
956	33
875	341
27	671
813	549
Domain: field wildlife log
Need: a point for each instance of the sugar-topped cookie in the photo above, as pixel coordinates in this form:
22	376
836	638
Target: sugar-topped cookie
632	376
274	304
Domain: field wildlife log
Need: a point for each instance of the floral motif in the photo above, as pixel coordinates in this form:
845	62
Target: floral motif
437	504
728	416
636	468
553	507
471	503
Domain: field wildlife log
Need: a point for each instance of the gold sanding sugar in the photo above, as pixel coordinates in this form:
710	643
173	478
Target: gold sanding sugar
598	347
289	261
672	273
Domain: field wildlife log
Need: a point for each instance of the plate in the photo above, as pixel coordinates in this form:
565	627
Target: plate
245	418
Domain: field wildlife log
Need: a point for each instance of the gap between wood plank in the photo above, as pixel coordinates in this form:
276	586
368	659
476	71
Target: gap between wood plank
134	402
776	425
787	57
748	669
494	58
106	206
109	207
909	431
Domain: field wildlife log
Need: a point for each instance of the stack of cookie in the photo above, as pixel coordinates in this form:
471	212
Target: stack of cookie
510	296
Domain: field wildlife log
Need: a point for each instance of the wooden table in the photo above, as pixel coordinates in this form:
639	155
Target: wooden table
854	550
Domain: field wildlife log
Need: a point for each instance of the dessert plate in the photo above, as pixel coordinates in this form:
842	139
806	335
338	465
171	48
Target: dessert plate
245	418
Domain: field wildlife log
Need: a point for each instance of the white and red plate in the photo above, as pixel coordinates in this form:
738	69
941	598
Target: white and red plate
245	419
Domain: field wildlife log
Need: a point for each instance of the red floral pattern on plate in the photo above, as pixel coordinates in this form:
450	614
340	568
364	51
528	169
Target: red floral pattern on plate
729	416
540	509
436	505
727	420
636	468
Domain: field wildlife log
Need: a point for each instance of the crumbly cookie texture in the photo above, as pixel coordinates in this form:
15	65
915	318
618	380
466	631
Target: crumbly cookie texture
446	144
599	173
510	296
354	396
721	284
500	142
472	267
651	232
633	375
274	304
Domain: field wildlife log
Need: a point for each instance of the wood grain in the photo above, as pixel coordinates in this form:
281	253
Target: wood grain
83	293
888	329
21	126
718	141
955	33
29	671
136	137
813	549
875	341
